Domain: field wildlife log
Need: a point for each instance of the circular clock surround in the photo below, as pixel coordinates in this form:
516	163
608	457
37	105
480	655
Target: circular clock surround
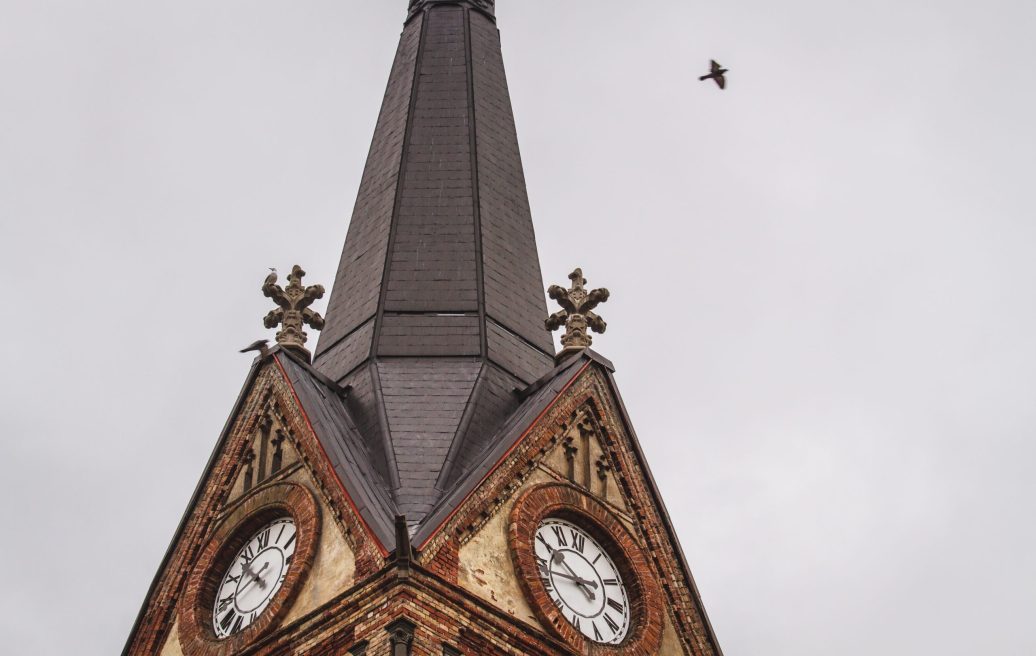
254	577
583	581
270	503
570	505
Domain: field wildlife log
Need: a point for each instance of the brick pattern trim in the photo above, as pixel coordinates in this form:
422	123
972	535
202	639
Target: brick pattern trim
266	504
270	387
565	501
591	394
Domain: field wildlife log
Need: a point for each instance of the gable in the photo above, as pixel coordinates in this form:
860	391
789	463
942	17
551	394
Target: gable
269	461
583	451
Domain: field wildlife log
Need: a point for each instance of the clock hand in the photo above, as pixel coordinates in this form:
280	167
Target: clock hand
559	557
592	584
255	578
247	568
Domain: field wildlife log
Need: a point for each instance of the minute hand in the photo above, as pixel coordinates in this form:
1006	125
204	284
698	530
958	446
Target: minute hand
592	584
559	557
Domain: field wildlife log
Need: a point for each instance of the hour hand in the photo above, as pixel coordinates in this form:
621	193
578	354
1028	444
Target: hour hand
255	576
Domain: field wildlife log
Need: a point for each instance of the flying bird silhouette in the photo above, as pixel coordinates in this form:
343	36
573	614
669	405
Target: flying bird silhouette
716	74
259	345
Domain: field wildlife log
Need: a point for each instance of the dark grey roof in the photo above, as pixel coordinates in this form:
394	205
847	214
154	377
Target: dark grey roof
437	472
437	312
440	251
350	458
479	462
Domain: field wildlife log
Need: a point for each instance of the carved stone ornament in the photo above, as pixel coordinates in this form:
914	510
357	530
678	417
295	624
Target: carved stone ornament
487	6
401	636
576	314
293	313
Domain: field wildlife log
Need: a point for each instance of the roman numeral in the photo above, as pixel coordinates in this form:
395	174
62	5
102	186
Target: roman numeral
596	559
611	623
264	539
252	617
280	533
237	624
290	541
617	605
559	534
550	549
611	581
233	579
542	564
575	621
247	554
578	541
228	620
224	603
597	634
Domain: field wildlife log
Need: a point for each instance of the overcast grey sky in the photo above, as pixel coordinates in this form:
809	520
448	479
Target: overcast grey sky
822	313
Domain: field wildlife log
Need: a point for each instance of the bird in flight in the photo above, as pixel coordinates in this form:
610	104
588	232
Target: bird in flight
717	74
260	345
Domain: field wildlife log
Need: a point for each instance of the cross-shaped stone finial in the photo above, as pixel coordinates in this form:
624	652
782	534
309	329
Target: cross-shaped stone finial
293	313
576	314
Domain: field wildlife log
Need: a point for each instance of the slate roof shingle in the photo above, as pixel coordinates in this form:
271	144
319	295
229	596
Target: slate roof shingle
437	310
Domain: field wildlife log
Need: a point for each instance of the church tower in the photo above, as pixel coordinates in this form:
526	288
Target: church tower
435	479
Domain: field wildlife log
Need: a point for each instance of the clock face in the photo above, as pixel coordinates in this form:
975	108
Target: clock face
254	577
582	581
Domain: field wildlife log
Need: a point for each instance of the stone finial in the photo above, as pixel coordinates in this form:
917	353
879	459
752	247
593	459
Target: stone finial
293	313
576	314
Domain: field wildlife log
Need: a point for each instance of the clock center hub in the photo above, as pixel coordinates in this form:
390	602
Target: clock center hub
256	584
577	582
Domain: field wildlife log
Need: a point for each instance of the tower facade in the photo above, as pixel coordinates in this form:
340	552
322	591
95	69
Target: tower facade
437	480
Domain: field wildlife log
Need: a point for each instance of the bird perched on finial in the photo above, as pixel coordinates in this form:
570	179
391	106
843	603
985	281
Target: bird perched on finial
272	278
716	74
258	345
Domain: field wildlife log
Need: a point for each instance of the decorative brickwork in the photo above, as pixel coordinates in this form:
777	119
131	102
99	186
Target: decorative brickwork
589	401
267	503
568	502
269	393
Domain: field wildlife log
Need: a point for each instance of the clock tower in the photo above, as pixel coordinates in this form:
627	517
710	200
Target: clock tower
434	478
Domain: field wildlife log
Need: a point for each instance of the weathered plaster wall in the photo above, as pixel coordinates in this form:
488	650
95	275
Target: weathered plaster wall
334	569
670	640
485	566
555	460
172	643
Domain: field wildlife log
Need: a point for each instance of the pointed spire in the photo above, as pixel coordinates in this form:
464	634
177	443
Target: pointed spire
487	6
440	258
436	314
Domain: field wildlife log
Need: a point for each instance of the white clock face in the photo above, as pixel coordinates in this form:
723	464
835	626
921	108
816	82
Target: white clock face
582	581
254	577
